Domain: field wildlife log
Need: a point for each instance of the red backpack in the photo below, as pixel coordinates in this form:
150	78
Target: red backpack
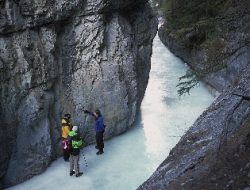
66	145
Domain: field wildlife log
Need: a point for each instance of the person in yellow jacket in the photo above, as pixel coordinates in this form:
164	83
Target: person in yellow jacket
66	128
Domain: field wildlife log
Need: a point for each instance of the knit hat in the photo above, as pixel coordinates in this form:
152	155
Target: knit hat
75	128
98	112
67	116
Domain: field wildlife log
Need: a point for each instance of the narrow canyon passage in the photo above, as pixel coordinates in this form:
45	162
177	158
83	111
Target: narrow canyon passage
131	158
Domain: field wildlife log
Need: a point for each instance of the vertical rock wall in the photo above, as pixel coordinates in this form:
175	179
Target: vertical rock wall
62	56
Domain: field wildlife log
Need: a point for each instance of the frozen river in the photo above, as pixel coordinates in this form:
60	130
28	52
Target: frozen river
131	158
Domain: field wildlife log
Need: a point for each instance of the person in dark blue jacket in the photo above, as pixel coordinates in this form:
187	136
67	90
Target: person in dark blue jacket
99	129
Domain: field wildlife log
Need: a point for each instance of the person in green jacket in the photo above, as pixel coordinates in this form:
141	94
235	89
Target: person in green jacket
76	143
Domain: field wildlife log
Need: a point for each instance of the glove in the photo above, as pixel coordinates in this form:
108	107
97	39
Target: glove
86	111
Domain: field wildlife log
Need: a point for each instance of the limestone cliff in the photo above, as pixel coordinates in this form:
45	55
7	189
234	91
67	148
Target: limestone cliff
59	56
212	37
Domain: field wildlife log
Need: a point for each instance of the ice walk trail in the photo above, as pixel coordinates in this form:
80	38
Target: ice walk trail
131	158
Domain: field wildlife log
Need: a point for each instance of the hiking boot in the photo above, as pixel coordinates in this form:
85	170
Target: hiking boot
99	152
79	174
72	173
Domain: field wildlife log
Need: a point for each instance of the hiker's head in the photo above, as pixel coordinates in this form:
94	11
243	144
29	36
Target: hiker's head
97	113
67	116
75	128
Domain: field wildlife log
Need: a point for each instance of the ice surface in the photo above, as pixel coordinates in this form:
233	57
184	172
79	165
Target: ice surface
131	158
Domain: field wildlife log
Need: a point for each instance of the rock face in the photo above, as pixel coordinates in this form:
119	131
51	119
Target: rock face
215	152
62	56
215	47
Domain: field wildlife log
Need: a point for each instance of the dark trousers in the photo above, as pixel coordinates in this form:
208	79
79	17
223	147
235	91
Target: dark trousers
99	141
74	163
66	155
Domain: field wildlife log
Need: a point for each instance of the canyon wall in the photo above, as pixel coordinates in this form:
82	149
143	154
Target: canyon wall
60	57
213	38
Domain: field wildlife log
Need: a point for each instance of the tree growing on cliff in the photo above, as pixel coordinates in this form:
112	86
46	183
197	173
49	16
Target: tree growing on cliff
202	25
187	82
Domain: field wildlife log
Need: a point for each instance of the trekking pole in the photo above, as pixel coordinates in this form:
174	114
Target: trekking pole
86	164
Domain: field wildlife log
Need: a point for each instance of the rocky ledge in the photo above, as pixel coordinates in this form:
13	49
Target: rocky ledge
58	57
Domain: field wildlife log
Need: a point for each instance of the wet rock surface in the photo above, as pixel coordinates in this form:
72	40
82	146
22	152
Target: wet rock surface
215	151
59	57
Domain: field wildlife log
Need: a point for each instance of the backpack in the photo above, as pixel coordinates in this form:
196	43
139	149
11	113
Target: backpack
66	145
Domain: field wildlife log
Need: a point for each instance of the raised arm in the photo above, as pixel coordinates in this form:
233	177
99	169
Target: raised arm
90	113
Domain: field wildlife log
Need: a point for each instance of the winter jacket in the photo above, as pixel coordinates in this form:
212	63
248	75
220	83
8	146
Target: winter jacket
76	143
99	124
65	128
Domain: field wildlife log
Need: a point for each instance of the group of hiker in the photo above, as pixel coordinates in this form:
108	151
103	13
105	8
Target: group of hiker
72	142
